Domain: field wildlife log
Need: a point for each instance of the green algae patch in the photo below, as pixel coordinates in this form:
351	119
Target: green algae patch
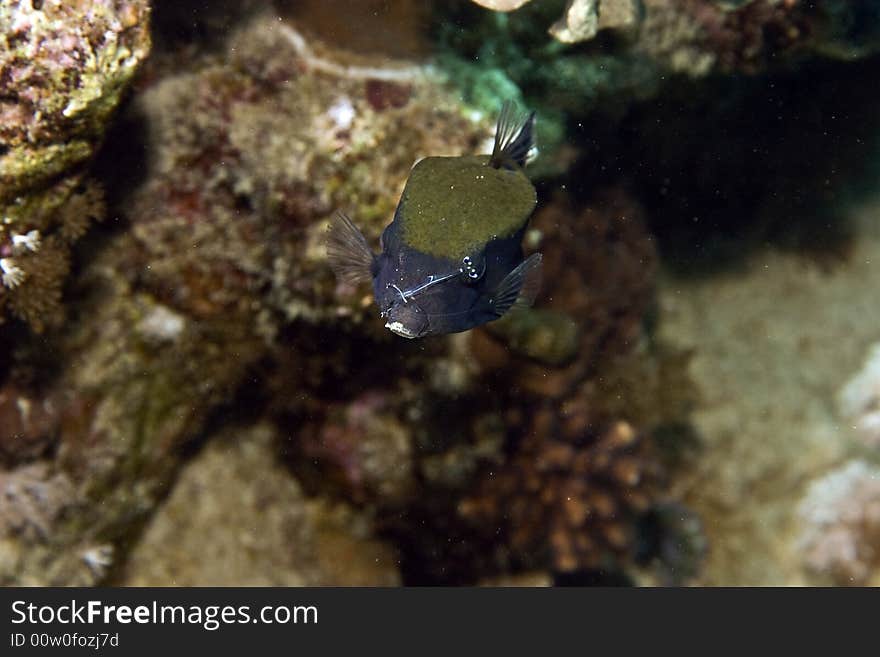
452	206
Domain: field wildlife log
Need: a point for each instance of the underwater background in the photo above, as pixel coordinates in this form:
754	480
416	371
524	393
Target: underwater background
189	397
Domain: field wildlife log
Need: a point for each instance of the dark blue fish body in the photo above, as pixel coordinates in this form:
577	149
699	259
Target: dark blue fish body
451	259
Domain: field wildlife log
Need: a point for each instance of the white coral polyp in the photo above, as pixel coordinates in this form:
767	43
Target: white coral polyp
29	241
13	276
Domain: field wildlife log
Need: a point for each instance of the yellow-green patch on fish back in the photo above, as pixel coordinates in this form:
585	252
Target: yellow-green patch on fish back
453	206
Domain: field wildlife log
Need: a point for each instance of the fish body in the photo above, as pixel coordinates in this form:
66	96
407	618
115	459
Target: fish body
451	259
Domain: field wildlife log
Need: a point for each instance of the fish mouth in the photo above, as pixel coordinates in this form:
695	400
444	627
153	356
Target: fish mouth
401	330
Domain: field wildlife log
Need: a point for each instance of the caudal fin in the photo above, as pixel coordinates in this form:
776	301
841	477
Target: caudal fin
514	137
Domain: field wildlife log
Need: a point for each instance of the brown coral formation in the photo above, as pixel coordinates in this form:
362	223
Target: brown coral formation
569	502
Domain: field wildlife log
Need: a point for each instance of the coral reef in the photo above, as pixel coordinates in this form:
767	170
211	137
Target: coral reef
840	514
214	383
219	270
65	67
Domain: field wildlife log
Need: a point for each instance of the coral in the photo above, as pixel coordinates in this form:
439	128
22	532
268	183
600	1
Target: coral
840	515
696	35
495	56
37	260
700	36
213	299
568	502
609	291
859	400
65	67
130	403
582	19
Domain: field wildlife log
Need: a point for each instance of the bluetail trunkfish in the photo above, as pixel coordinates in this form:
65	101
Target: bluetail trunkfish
451	259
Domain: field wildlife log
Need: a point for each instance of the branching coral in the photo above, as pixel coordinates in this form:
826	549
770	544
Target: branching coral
568	502
36	262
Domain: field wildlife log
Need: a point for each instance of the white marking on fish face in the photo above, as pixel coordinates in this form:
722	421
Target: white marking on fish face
400	329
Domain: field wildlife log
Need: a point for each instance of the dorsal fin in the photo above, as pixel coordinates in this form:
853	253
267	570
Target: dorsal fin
347	250
519	287
514	137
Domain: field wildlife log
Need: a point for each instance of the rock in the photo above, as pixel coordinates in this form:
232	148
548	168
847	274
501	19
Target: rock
237	517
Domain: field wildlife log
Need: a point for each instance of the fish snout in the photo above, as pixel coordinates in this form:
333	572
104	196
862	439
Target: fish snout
406	320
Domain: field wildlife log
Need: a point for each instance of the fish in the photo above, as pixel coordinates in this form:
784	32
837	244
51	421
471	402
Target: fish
451	259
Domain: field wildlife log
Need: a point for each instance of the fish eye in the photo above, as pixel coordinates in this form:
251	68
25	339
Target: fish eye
472	271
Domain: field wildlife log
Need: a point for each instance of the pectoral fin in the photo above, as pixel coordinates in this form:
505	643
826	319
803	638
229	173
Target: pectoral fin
347	250
519	287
